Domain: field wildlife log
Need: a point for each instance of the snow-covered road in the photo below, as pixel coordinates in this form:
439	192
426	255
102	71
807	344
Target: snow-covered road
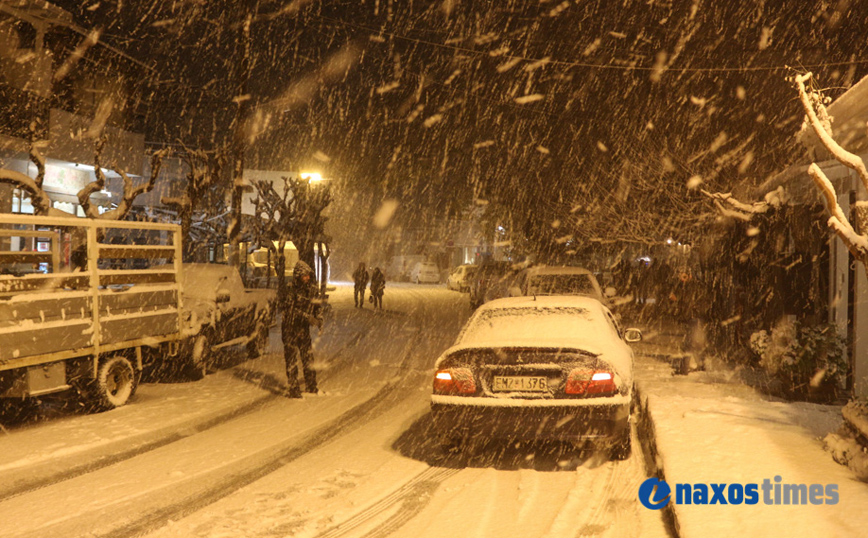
228	456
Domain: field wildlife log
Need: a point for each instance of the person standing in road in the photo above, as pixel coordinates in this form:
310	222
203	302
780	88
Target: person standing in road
299	313
378	284
360	278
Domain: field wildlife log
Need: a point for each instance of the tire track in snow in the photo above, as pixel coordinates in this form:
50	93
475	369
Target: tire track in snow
527	493
409	499
353	419
592	526
489	513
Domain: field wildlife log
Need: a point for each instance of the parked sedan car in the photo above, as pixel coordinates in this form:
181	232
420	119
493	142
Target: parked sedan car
558	280
491	281
542	368
459	278
425	272
221	312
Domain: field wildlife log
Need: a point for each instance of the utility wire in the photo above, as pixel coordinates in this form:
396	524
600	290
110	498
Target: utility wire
587	64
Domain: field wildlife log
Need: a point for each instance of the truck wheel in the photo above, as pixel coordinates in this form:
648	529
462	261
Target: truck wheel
200	357
116	381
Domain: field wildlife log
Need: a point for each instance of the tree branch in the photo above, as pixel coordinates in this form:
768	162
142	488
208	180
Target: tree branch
846	158
94	186
856	244
33	186
38	197
743	211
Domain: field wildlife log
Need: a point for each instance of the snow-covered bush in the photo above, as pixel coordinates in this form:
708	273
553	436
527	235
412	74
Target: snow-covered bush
849	445
759	343
810	361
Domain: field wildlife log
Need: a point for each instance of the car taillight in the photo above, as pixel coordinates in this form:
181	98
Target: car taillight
454	381
591	383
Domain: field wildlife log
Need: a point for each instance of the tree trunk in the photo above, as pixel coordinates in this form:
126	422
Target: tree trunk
239	136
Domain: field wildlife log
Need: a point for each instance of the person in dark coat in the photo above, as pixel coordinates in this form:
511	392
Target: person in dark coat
360	278
299	313
378	284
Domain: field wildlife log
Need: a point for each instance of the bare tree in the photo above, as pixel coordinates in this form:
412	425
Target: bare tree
818	119
33	186
273	225
205	171
130	191
42	203
293	215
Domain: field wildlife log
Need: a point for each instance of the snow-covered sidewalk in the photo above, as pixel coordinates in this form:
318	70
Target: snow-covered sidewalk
710	428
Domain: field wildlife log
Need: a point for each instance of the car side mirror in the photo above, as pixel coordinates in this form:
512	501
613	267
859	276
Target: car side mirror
223	296
633	335
515	291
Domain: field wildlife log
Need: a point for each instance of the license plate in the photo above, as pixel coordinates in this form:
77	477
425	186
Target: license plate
520	383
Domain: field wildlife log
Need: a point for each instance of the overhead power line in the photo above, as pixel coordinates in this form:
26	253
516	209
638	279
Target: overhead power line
590	65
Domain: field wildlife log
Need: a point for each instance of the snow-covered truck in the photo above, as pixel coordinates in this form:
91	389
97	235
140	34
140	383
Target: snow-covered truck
87	304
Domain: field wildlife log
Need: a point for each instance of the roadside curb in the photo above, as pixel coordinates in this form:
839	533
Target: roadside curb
654	467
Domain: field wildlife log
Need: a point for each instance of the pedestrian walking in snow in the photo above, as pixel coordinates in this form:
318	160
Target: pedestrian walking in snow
360	279
299	313
378	284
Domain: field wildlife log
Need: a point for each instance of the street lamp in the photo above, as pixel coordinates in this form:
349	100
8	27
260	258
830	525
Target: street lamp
311	177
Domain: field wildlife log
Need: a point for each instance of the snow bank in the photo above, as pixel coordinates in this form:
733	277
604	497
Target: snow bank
727	433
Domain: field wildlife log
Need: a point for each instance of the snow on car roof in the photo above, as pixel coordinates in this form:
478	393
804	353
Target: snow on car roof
552	321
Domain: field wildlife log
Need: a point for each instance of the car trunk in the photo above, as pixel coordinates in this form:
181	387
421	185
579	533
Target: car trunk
527	373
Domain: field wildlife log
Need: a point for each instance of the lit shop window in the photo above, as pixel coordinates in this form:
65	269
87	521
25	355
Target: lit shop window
21	203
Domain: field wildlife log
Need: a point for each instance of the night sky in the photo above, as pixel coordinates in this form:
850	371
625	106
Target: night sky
578	117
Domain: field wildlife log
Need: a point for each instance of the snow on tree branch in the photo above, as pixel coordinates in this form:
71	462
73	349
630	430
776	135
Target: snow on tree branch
743	211
846	158
838	221
857	244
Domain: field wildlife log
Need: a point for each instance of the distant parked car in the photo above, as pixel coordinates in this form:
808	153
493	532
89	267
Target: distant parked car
491	281
558	280
221	312
542	368
401	267
425	272
459	278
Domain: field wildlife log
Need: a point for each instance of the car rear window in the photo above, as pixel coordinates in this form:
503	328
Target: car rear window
538	323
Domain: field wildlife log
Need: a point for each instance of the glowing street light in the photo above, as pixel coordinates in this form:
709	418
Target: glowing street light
311	177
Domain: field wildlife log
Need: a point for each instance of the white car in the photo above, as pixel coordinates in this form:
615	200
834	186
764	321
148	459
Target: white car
558	280
425	272
459	278
537	368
